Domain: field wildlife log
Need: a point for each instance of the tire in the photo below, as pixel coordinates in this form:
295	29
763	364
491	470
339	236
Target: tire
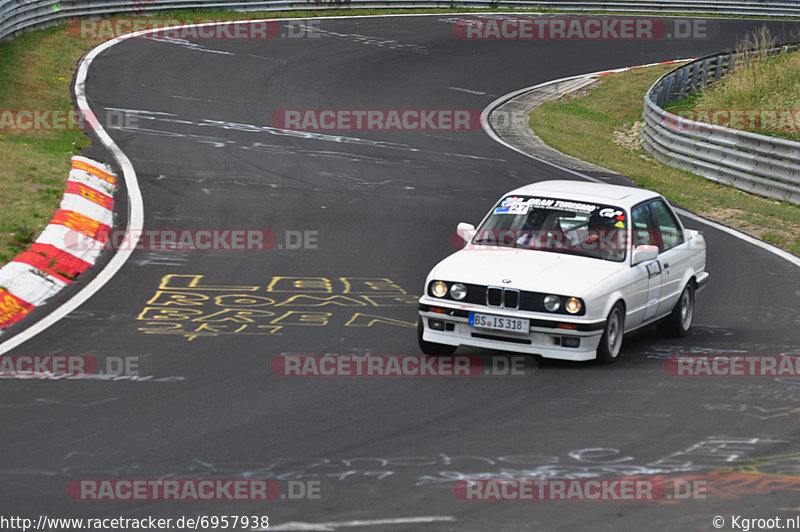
611	342
433	349
678	323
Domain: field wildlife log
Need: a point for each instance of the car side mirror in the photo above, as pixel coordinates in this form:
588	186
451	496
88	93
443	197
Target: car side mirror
465	231
644	253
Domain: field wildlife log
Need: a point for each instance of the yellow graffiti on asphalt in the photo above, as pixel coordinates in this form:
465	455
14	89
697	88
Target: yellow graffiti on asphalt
184	305
776	471
783	465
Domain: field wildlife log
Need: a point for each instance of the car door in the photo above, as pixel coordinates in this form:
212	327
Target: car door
648	281
674	254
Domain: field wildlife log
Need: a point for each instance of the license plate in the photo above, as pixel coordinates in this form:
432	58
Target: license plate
500	323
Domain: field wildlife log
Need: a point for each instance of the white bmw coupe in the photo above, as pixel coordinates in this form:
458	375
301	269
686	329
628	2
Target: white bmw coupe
563	269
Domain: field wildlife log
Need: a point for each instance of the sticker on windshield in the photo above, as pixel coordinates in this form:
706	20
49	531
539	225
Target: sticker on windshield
517	205
514	208
573	206
563	205
512	205
610	213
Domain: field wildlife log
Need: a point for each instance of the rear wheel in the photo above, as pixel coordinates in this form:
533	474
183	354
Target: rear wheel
611	342
431	348
679	321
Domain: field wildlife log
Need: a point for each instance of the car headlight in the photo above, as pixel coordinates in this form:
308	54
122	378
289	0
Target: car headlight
573	305
552	303
458	291
439	289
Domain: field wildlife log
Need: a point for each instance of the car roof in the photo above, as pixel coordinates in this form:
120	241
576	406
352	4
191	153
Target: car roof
619	195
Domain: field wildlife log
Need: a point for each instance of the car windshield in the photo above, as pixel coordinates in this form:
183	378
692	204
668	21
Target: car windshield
561	226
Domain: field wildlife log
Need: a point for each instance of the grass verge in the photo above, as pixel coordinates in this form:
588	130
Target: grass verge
35	73
603	127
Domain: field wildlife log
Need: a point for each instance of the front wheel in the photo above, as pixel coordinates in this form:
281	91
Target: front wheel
430	348
679	321
611	342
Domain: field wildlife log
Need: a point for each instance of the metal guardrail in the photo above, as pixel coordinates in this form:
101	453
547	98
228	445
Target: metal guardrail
760	164
20	15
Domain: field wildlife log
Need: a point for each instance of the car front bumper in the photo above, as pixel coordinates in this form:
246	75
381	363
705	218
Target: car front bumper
548	338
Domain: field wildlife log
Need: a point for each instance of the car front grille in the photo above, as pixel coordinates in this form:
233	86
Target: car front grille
502	297
498	297
494	297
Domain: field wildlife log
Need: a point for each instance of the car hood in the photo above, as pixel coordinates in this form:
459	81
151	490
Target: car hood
537	271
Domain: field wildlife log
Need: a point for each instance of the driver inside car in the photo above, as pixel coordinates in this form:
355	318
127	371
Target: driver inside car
602	236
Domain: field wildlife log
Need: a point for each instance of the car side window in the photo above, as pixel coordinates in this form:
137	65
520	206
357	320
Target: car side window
645	232
671	234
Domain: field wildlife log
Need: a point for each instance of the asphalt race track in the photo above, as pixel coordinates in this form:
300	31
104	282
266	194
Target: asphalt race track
379	209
